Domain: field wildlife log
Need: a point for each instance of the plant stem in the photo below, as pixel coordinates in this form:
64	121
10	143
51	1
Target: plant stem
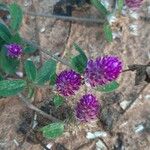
31	106
48	53
66	18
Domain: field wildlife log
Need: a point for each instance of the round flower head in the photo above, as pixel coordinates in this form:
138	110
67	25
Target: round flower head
68	82
87	108
103	70
14	50
134	4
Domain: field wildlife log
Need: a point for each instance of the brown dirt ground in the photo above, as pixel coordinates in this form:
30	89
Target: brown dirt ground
59	37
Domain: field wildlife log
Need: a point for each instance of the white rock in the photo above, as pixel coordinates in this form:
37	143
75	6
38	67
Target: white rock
20	74
100	134
116	35
100	145
42	29
147	97
139	128
148	9
96	134
90	135
49	146
124	104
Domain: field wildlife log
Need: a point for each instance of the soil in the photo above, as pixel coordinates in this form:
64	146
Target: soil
58	37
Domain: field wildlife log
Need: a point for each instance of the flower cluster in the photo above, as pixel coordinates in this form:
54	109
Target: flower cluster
87	108
98	72
103	70
134	4
14	50
68	82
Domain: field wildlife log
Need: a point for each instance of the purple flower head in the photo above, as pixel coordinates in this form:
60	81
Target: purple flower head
134	4
14	50
103	70
87	108
67	82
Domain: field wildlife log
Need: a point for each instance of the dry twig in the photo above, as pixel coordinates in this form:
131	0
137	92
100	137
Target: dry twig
66	18
31	106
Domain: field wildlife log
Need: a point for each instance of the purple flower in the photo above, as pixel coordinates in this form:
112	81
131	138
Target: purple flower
68	82
103	70
134	4
87	108
14	50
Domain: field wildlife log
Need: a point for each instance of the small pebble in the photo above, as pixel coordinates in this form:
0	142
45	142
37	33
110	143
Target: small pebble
49	146
148	9
100	145
139	128
20	74
147	97
124	104
96	134
42	30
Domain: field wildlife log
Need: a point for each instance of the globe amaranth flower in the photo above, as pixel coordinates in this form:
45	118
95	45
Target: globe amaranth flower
134	4
67	82
87	109
103	70
14	50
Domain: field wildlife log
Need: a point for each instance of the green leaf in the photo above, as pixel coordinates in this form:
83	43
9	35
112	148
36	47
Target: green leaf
108	87
16	39
53	130
108	32
1	78
100	7
7	64
30	49
53	79
79	62
16	14
120	5
30	70
11	87
46	71
58	100
4	32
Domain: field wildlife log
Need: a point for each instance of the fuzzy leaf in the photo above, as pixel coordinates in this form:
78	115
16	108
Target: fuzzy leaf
45	72
58	100
11	87
108	32
108	87
53	130
30	69
100	7
29	49
79	62
16	14
4	32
